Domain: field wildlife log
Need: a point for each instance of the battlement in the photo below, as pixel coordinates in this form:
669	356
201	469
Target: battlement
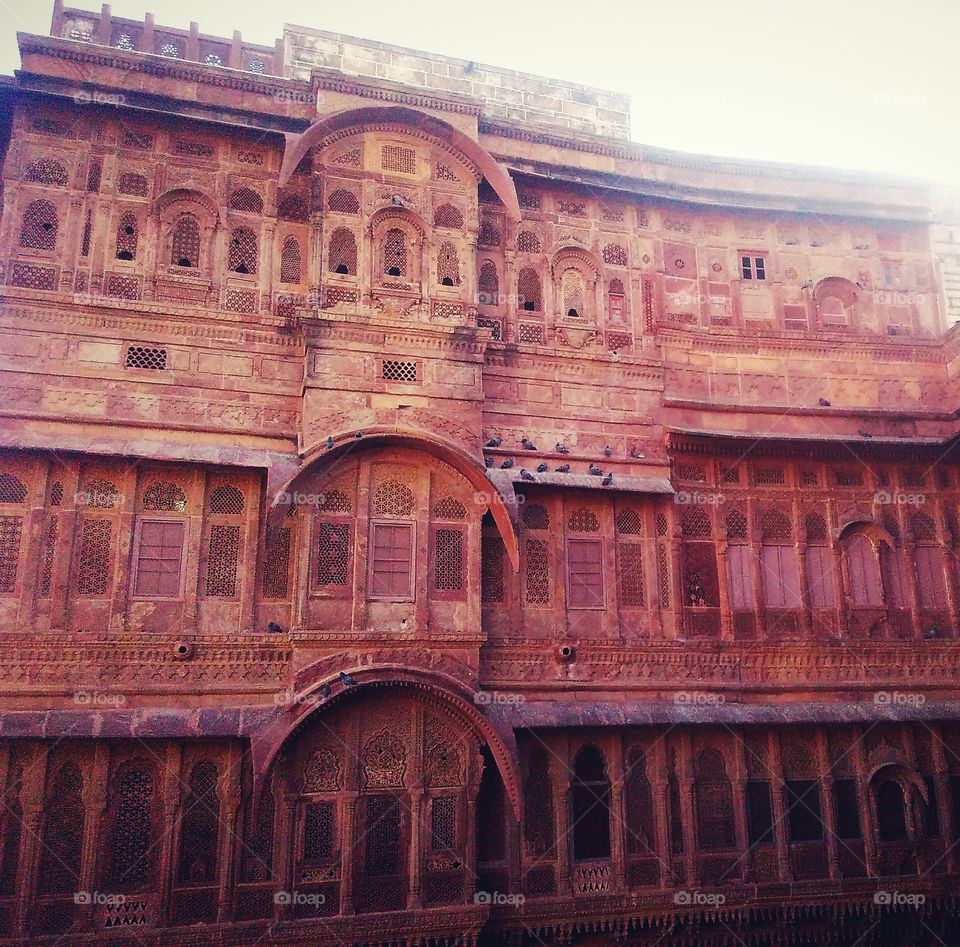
104	29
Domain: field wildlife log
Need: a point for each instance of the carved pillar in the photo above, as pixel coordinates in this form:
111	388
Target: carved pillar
617	817
562	810
170	836
229	832
913	582
941	778
726	613
95	801
31	797
417	827
269	251
805	589
661	807
347	850
863	803
286	814
779	809
685	780
826	801
738	783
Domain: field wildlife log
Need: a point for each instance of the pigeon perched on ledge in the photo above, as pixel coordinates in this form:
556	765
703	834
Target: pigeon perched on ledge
563	468
528	444
494	442
507	464
526	475
542	468
560	449
595	470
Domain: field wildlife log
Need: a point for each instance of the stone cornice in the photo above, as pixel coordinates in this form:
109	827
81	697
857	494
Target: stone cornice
382	90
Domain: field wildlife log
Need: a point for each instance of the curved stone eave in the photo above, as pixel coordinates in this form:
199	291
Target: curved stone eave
296	146
464	463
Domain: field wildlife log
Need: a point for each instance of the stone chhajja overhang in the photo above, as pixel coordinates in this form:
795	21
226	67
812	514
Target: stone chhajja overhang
563	713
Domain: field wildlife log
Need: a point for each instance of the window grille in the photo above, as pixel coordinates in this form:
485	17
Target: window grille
47	171
39	227
290	261
615	255
343	201
342	253
242	256
185	244
397	158
528	242
446	215
393	370
246	200
223	553
95	569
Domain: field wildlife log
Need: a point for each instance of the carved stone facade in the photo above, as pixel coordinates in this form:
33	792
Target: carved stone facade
427	517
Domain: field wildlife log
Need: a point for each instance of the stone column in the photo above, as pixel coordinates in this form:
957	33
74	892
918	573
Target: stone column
779	809
229	834
347	851
286	843
826	802
418	802
170	835
95	800
31	799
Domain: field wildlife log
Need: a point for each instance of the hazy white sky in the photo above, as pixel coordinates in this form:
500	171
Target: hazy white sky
869	84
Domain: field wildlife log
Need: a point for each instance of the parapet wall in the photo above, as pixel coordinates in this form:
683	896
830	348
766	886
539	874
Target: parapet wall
503	93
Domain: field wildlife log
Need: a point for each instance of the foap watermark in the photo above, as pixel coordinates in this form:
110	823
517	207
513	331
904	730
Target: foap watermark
698	498
499	898
899	899
98	897
511	499
309	898
486	698
698	698
699	899
897	297
99	98
298	97
898	699
102	498
302	499
898	498
98	699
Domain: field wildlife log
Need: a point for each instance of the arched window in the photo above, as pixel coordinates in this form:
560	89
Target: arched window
199	824
528	242
39	229
185	244
132	845
927	552
865	586
590	805
616	298
244	199
529	293
891	812
572	291
342	252
127	237
740	562
448	266
242	256
538	814
392	555
62	839
394	253
447	215
713	802
290	261
488	284
343	201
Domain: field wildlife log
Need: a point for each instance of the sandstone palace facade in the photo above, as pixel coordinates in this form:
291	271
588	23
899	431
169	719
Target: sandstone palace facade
428	517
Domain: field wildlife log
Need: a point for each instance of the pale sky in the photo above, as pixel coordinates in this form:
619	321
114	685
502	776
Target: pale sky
863	84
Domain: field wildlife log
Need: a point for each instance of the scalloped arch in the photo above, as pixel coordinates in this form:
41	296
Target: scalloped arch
297	146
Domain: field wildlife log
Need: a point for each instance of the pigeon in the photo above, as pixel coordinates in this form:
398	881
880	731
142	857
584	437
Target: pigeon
824	403
528	444
358	435
560	449
863	433
607	480
274	627
636	452
595	470
487	462
325	691
563	468
507	464
542	468
526	475
329	442
347	679
494	442
931	633
607	451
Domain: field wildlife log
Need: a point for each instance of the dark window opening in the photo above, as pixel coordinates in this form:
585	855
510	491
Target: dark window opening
590	805
394	271
342	270
847	809
803	810
891	817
